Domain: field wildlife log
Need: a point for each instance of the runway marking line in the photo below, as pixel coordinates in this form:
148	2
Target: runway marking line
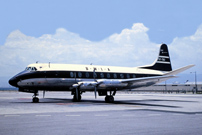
73	115
42	115
128	115
101	115
65	104
155	114
178	114
24	98
11	115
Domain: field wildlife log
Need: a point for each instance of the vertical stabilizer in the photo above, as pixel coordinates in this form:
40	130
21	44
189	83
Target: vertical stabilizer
163	62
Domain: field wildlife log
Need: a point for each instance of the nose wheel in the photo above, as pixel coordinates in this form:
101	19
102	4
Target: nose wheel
35	98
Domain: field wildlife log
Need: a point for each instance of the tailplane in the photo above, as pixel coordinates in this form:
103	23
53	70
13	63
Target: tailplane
174	72
163	62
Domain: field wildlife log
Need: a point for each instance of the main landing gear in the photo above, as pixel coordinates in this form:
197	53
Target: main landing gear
75	98
35	98
76	95
110	98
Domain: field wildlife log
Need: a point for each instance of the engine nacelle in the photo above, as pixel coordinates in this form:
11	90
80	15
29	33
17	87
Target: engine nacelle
110	82
89	84
100	83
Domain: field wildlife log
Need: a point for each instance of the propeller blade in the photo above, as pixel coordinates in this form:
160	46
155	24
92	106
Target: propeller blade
75	76
94	75
44	93
77	94
95	92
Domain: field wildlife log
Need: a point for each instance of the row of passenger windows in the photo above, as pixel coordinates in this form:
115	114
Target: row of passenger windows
101	75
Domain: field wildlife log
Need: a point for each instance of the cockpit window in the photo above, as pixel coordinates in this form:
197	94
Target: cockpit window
31	68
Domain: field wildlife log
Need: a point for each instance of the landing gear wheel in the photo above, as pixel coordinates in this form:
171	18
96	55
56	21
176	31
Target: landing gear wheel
109	99
76	100
35	100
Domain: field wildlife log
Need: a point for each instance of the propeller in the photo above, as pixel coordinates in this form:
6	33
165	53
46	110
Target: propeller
77	91
44	93
95	91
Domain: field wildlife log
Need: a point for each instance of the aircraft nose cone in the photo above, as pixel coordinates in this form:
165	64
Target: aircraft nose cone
13	81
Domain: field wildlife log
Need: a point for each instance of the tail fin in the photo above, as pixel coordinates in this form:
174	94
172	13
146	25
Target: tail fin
163	62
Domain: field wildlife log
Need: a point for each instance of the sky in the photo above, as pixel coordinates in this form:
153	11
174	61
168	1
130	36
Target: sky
102	32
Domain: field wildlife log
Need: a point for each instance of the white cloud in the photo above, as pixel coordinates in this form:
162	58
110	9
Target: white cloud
131	47
188	50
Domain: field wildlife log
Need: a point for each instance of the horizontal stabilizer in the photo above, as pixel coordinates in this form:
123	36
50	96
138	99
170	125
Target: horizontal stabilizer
177	71
153	80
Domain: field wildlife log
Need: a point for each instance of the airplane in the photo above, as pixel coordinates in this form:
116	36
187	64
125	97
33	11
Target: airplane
104	80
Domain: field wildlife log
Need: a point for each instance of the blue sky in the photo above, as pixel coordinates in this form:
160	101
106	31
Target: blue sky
97	19
102	32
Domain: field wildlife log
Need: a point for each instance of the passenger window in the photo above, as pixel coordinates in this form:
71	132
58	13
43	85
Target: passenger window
94	75
87	75
115	76
122	76
108	75
127	75
71	74
79	74
101	75
134	76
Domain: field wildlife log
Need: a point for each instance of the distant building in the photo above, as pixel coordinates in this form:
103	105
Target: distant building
187	87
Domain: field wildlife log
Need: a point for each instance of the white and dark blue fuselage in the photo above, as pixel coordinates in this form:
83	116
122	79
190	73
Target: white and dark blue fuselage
59	77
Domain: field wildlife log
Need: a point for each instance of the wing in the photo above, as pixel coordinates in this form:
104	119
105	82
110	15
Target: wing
123	83
146	81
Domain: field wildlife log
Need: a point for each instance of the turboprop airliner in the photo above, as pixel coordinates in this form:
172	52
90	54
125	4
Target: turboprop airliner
104	80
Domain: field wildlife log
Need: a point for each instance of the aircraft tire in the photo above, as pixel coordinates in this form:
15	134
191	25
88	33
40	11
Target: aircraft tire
109	99
75	100
35	100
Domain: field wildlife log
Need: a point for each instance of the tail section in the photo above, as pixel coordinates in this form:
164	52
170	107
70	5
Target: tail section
163	62
174	72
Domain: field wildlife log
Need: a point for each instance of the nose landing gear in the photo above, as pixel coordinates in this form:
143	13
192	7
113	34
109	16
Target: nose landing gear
35	98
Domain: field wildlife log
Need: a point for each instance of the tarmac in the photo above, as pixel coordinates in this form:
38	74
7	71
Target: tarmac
140	113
